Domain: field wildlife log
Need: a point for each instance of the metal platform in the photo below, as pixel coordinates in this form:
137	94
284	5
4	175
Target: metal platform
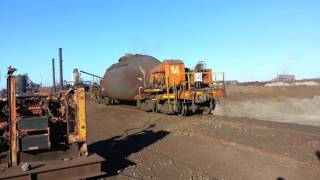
78	168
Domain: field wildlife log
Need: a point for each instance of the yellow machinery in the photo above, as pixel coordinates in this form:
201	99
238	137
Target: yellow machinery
75	105
175	89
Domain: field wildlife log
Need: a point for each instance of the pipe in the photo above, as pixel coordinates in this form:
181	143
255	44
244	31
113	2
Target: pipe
61	69
53	76
84	72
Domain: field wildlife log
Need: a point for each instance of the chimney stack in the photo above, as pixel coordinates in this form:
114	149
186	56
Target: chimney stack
61	70
53	76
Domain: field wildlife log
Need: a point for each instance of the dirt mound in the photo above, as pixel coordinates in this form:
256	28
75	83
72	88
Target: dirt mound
302	83
277	84
306	83
301	111
244	93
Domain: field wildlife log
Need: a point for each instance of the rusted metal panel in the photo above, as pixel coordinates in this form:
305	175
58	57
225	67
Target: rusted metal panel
122	80
175	72
34	142
172	71
37	122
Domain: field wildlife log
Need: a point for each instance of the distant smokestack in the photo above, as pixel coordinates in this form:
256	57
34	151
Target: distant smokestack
61	70
53	76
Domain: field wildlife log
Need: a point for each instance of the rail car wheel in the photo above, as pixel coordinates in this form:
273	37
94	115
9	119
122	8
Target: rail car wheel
183	109
154	106
207	111
159	107
108	101
212	106
143	106
149	105
98	100
167	108
138	104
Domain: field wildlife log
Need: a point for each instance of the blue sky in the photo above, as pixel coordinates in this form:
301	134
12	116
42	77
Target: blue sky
248	39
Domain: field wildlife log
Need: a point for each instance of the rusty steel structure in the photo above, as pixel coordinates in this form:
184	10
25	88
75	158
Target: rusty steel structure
38	123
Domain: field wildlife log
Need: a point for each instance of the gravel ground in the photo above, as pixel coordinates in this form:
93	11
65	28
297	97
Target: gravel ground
139	145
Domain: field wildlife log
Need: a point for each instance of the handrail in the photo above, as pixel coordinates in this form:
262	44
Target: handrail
221	81
213	72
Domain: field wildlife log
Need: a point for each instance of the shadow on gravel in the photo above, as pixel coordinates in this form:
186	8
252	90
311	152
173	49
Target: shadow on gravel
116	149
318	154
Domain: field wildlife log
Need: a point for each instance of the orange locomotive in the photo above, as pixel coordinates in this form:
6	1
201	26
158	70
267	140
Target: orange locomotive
174	89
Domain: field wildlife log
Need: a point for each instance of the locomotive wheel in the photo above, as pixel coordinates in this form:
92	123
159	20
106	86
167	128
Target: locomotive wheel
207	111
99	100
183	109
167	108
154	106
158	107
107	100
139	104
144	106
212	106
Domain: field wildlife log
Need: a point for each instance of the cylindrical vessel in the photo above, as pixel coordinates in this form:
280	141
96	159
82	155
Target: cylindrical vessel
123	79
75	76
21	84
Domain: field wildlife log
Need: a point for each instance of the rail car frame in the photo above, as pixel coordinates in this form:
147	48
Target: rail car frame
177	91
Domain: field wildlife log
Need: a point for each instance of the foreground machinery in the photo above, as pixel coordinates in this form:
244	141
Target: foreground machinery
168	87
36	124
